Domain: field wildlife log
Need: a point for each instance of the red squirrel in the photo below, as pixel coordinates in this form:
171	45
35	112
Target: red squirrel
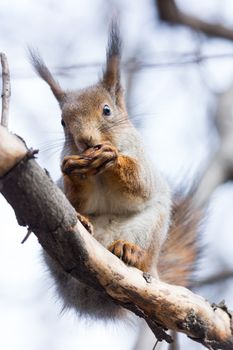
118	196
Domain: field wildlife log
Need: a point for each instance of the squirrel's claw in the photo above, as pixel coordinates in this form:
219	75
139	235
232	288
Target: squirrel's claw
86	223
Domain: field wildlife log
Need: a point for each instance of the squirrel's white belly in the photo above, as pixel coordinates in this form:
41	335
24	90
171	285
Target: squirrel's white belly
106	200
141	227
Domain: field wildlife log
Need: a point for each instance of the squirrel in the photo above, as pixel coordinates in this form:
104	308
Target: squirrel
119	198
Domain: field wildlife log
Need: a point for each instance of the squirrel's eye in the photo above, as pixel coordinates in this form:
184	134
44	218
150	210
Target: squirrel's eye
106	110
63	123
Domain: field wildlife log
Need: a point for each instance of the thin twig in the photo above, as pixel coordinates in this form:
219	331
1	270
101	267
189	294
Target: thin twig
27	236
165	62
154	347
6	90
174	345
137	65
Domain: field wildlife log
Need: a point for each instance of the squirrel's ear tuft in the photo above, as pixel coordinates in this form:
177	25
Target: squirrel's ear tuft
42	70
111	78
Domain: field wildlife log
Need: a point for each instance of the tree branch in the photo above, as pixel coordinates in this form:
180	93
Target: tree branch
6	90
220	169
169	12
44	209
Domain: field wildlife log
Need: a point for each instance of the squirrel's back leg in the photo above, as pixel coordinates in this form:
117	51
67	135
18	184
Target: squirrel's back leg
131	254
135	239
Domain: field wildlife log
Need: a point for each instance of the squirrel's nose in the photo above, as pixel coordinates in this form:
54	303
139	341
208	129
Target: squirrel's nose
84	143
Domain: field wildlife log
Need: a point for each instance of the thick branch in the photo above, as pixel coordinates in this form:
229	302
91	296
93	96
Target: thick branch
169	12
6	90
41	206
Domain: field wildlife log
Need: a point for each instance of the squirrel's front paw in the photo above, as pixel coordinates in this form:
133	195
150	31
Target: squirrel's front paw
103	156
86	223
91	162
76	165
130	253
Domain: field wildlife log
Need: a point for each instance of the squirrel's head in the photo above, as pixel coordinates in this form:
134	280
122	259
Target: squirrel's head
95	114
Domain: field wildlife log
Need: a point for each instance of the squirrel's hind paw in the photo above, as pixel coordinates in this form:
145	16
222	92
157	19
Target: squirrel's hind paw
130	253
86	223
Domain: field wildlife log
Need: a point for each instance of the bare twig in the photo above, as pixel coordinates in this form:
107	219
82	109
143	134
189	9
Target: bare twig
169	12
187	58
162	305
26	236
174	345
6	90
156	343
136	65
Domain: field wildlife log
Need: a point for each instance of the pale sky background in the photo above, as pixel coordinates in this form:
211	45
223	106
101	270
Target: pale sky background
173	105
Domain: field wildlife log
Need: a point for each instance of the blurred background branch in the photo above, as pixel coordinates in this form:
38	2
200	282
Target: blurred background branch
171	60
220	168
170	13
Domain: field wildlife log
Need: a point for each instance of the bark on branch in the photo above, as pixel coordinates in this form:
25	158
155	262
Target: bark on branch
44	209
169	12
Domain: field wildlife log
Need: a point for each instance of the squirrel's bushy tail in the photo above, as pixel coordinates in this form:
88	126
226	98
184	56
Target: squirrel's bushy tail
180	251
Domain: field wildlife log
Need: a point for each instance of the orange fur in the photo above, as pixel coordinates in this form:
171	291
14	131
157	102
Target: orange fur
119	172
73	185
124	177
